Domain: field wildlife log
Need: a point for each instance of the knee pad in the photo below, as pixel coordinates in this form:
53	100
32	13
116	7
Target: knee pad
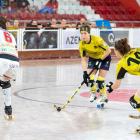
91	81
5	84
134	103
100	84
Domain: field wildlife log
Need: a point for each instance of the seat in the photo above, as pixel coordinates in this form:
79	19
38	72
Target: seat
81	16
84	12
120	24
102	7
72	7
98	12
49	16
80	7
91	12
67	16
69	12
105	12
41	16
21	24
118	17
69	3
90	3
87	8
118	3
132	12
96	16
58	16
126	12
74	17
112	17
34	16
97	4
65	7
9	16
109	8
61	12
105	17
89	16
76	12
126	17
95	7
104	3
26	16
76	3
119	12
135	25
61	3
111	3
127	24
112	12
83	3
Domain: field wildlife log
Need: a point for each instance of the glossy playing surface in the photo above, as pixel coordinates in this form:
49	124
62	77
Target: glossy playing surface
42	83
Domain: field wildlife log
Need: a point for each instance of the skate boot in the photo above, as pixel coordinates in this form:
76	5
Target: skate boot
92	96
8	112
102	99
138	129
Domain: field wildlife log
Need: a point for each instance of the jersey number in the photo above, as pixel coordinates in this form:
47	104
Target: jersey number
7	37
134	60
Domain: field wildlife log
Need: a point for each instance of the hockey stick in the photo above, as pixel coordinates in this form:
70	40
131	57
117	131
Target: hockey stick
134	117
60	108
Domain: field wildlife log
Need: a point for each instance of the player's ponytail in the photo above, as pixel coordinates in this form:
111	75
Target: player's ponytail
122	46
3	22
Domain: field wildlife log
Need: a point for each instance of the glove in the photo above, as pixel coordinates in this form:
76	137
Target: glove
85	77
98	64
109	87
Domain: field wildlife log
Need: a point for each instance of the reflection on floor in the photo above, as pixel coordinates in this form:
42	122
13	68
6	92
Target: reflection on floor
42	83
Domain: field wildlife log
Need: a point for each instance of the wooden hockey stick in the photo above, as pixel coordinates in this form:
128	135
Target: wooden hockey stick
60	108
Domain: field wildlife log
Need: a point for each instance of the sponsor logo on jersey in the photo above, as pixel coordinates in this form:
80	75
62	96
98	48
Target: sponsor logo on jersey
89	63
4	64
105	44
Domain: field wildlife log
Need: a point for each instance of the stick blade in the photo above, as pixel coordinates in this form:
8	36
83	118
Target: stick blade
134	117
55	106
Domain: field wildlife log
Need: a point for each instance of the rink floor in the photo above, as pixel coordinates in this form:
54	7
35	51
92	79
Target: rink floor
42	83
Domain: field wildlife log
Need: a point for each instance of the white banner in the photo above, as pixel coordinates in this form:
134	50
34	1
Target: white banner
136	38
71	38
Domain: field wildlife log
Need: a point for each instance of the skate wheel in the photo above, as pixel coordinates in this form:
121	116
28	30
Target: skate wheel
136	131
102	105
98	106
106	100
92	101
95	98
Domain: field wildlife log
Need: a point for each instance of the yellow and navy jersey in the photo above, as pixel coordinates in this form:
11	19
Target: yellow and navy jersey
130	63
95	48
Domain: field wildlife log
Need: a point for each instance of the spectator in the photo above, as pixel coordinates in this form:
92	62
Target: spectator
8	24
30	38
33	6
6	6
64	24
21	6
53	4
54	24
15	27
84	21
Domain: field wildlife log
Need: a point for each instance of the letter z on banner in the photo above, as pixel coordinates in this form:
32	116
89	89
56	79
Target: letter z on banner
71	39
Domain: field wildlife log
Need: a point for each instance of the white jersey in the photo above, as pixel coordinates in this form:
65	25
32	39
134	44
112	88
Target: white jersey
9	61
8	47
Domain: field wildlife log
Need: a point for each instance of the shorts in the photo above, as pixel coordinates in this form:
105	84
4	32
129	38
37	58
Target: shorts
8	67
105	63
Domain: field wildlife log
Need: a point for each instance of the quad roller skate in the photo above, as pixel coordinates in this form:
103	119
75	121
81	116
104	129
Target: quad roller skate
102	99
92	96
138	129
8	113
